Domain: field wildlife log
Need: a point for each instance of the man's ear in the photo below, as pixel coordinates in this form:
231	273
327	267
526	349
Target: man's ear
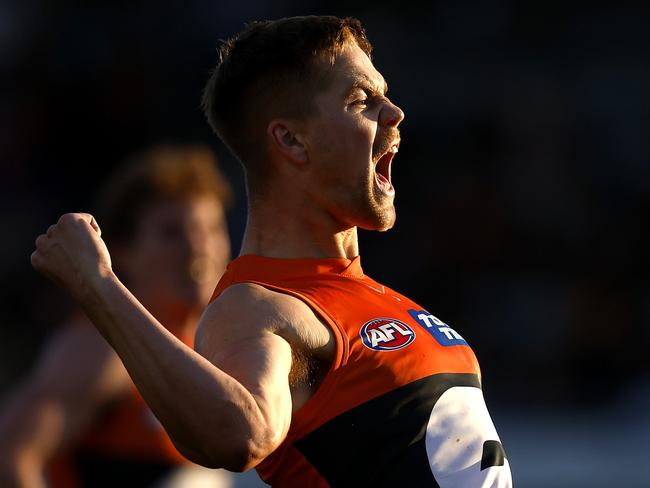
285	140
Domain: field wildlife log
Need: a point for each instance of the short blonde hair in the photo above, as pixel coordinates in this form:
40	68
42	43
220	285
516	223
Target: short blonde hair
272	68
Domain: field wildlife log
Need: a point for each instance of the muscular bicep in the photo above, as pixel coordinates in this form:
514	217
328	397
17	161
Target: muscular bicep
245	346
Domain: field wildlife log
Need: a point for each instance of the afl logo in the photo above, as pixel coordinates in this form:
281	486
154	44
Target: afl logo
386	334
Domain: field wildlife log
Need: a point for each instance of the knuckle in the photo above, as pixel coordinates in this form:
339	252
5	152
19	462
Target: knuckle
35	260
64	219
69	218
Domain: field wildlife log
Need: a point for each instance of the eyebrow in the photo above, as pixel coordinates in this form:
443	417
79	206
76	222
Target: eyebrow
362	81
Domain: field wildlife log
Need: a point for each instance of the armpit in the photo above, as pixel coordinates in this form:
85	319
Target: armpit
307	370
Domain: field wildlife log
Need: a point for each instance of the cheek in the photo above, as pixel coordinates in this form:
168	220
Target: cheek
218	252
358	136
345	135
156	260
345	153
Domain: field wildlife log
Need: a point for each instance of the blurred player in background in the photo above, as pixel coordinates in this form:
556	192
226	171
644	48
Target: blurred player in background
77	420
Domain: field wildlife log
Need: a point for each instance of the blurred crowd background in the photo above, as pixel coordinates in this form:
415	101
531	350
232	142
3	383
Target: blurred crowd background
523	187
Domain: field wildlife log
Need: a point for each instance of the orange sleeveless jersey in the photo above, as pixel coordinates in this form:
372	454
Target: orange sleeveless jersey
127	433
401	403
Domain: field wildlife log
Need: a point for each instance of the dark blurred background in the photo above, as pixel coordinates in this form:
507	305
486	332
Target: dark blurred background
523	187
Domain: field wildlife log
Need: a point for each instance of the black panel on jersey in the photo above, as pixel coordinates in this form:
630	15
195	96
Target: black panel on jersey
493	454
381	443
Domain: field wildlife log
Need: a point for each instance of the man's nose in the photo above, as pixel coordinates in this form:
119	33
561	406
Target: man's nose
194	242
391	115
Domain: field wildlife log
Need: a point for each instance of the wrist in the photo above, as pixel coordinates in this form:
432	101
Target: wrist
95	288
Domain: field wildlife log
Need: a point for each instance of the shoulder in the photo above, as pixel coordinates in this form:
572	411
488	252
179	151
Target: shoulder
77	343
247	310
77	363
261	307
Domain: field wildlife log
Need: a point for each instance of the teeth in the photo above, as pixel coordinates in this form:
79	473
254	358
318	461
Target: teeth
391	150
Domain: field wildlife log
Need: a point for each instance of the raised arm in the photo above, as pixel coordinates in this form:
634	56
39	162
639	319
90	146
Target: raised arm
77	375
216	418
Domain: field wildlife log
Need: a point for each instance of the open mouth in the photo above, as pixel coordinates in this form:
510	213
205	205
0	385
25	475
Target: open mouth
383	170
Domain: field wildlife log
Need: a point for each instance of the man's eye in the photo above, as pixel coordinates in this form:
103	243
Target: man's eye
361	101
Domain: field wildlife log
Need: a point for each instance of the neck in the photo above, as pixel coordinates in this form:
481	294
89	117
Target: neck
175	317
285	228
181	320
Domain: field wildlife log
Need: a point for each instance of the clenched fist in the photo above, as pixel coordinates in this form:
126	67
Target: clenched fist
73	254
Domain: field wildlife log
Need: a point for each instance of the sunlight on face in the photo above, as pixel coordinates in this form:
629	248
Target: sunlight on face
355	125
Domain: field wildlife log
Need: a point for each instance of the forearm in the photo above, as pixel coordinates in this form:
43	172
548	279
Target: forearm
21	474
209	415
22	471
30	433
